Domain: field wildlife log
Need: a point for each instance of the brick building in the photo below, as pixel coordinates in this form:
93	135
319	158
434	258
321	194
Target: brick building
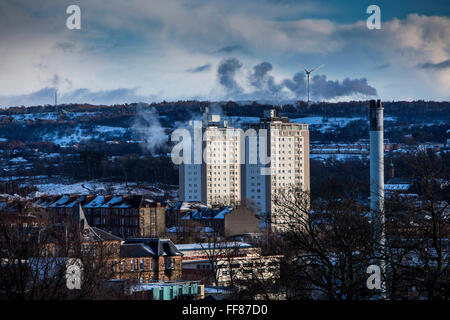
225	221
123	216
138	259
147	259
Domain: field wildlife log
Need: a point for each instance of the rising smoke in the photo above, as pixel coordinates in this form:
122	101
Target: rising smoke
226	73
262	85
148	128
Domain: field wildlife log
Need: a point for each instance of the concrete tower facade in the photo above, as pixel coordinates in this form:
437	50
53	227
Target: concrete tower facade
214	178
377	180
287	145
376	157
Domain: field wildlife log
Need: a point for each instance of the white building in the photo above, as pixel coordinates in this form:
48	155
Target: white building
248	166
287	145
216	180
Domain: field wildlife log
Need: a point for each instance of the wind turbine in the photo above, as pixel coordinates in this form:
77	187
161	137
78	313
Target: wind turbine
308	74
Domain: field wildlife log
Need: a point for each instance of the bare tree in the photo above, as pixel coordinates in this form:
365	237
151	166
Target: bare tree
35	258
327	245
418	233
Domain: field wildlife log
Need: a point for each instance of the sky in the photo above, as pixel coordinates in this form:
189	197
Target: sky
151	50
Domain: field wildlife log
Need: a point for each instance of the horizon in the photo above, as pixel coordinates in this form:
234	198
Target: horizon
242	103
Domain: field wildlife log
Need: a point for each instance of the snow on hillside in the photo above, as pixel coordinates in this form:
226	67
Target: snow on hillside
79	134
35	116
48	116
90	187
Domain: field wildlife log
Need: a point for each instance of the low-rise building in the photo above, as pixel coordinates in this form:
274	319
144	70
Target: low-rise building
169	290
147	259
123	216
228	264
224	221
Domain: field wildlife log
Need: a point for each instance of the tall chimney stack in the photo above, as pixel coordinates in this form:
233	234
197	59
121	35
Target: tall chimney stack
377	180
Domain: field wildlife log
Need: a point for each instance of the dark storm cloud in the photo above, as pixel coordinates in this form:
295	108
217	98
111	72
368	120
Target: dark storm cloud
436	66
266	88
202	68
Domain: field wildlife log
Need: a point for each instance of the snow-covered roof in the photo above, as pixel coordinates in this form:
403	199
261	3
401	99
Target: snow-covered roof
91	201
207	213
203	246
114	200
222	213
397	187
189	205
96	203
18	159
61	201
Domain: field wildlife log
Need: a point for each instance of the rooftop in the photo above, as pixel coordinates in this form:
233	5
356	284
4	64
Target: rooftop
207	245
159	247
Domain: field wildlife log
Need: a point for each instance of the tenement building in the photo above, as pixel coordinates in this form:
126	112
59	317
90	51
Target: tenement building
121	215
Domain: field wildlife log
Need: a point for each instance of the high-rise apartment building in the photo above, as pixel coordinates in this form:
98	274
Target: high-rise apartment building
216	180
283	162
247	164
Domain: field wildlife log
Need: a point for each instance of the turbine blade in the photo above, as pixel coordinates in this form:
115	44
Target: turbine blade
306	70
316	68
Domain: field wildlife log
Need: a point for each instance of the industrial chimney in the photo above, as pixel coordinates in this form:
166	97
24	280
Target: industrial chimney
377	179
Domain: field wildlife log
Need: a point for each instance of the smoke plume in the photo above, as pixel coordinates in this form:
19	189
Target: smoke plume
226	73
148	128
262	85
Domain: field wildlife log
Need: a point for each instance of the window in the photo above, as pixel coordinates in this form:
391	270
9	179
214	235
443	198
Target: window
142	265
122	266
132	264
